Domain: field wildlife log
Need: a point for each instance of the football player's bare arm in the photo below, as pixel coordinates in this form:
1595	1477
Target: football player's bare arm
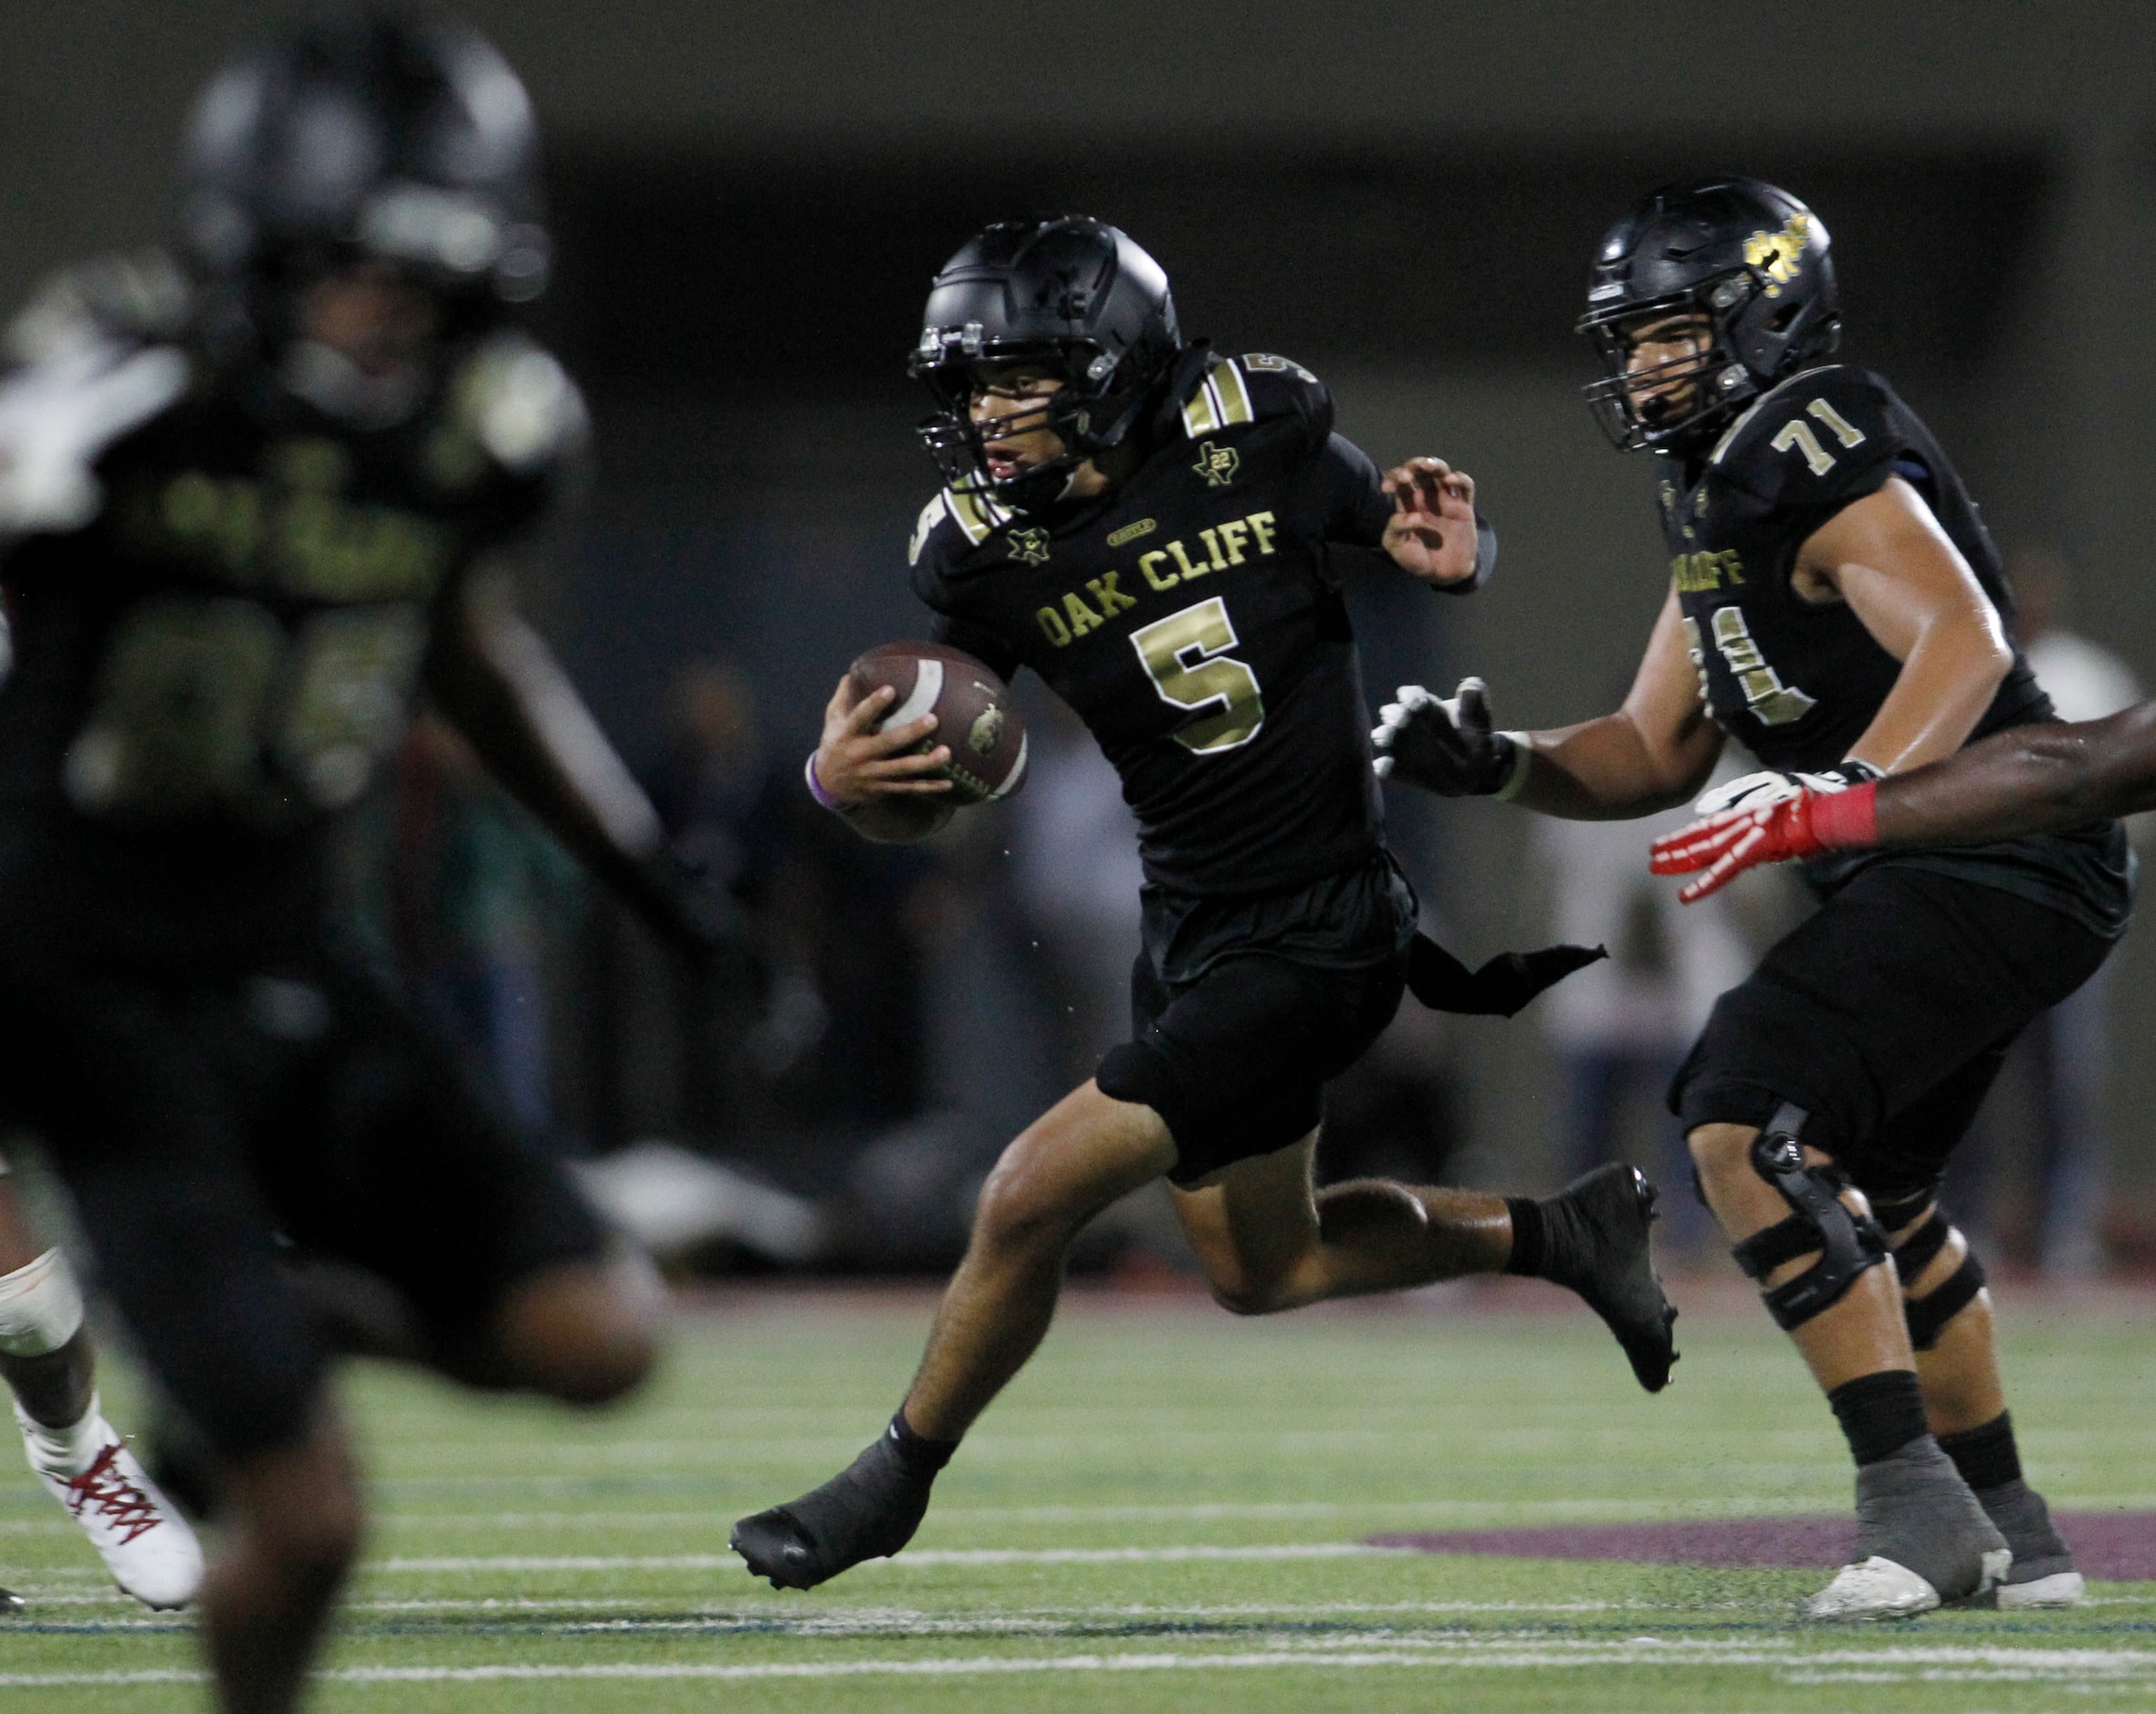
1431	535
878	780
1655	750
2032	779
1886	557
493	678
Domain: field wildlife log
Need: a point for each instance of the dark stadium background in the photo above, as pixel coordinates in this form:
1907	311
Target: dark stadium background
749	201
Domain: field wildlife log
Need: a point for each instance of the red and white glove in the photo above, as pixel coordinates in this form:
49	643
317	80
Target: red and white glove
1783	829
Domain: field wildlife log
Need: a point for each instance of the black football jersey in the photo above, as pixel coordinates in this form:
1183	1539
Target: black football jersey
219	618
1795	683
1193	619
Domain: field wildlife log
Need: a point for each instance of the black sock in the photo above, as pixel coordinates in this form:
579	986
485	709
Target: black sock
1530	1236
919	1454
1986	1456
1879	1414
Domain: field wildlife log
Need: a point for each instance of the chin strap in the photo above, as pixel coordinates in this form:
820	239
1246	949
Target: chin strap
1501	988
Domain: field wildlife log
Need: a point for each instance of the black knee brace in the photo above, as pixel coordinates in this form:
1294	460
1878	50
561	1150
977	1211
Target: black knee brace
1847	1243
1893	1213
1928	1314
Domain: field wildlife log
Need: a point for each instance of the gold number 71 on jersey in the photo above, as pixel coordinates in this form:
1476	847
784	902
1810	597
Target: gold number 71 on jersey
1796	433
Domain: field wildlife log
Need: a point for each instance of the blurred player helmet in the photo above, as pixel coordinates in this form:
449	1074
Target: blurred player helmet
1752	261
1073	295
364	138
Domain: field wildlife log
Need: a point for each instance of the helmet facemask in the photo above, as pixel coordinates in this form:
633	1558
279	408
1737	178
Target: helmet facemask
1088	412
1681	400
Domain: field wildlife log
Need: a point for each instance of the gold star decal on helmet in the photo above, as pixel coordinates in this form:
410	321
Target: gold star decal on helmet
1779	253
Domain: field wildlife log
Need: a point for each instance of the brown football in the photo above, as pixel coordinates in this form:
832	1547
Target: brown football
973	712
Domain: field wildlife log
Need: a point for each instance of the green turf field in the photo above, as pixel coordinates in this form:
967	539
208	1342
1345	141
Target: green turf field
1165	1514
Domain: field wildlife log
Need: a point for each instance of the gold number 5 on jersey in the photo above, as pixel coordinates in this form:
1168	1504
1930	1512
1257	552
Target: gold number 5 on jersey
1185	656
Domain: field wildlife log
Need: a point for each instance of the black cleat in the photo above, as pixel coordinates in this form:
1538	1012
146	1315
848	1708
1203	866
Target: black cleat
1596	1232
11	1604
868	1511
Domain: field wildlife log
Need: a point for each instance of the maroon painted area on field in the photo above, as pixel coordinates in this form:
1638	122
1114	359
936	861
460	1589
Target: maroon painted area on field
2117	1546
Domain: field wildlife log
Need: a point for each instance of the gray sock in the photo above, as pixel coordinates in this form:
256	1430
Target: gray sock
2022	1517
1913	1508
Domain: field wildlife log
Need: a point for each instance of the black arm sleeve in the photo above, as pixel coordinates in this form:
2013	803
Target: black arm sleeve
1351	500
983	645
1354	508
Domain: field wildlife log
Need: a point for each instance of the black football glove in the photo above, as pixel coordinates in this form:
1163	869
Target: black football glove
1445	747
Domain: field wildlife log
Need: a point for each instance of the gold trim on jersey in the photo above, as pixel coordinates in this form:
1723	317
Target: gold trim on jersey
1757	405
1222	401
977	516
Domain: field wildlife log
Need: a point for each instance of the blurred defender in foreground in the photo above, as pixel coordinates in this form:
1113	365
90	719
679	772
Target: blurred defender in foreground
251	511
47	1361
1156	531
1836	606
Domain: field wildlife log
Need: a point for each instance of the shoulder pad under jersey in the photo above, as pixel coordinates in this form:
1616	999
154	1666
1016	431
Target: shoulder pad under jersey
59	416
520	405
955	522
951	526
1818	441
1233	391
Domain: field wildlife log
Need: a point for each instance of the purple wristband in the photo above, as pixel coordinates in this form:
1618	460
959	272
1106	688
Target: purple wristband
816	788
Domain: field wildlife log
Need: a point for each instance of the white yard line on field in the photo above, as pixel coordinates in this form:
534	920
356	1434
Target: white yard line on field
1194	1512
932	1556
905	1621
1915	1664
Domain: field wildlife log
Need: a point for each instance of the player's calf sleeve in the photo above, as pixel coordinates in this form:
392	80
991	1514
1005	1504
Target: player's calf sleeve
40	1306
1986	1456
1530	1251
1879	1414
922	1456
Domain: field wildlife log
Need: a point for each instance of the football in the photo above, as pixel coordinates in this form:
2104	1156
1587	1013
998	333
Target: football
973	711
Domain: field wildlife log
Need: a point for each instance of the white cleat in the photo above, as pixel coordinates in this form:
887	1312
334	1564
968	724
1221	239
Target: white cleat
2061	1589
144	1542
1875	1588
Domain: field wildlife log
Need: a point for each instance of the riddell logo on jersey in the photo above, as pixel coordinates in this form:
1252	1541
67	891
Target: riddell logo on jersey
1233	542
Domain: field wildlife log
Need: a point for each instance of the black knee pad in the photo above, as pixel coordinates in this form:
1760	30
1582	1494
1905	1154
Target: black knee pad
1928	1315
1847	1244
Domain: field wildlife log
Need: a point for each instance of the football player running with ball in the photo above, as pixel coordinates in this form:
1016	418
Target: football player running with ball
1837	608
1154	529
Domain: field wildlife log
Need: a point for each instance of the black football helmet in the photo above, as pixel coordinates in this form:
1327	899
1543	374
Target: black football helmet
364	138
1751	261
1073	294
